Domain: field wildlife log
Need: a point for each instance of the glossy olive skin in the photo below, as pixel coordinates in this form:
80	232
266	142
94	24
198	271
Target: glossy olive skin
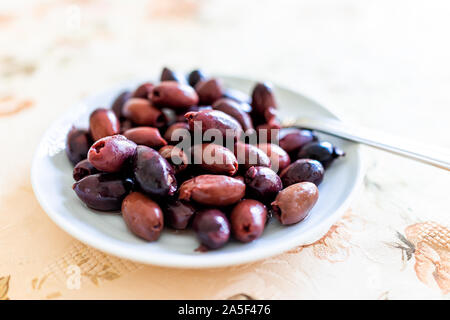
209	91
142	112
214	190
142	216
110	154
83	169
248	220
78	142
292	139
178	214
233	109
153	173
215	158
294	203
174	95
143	90
279	158
303	170
146	136
262	183
322	151
103	123
195	77
177	132
103	191
262	99
170	75
249	155
214	119
118	103
212	228
176	157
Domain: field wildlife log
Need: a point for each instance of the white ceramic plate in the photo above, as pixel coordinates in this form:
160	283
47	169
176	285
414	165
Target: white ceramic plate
52	181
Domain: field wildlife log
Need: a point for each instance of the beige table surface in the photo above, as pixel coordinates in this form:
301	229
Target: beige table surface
382	64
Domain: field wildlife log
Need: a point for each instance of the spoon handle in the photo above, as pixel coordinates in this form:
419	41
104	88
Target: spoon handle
375	139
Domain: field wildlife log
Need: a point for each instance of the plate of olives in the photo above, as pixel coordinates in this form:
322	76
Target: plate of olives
194	171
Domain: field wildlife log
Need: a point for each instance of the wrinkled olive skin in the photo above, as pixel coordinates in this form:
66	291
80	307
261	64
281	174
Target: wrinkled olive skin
146	136
262	99
294	203
83	169
279	158
322	151
212	228
110	154
214	158
142	216
103	191
248	220
292	139
174	95
214	190
214	119
195	77
177	132
78	143
262	183
119	102
143	90
153	173
103	123
249	155
176	157
233	109
303	170
178	214
142	112
209	91
170	75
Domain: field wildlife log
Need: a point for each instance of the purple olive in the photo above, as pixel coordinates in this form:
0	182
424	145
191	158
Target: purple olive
292	139
262	183
178	214
212	228
83	169
195	77
323	151
78	143
248	220
302	170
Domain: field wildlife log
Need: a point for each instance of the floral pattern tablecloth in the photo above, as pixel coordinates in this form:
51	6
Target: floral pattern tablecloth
394	241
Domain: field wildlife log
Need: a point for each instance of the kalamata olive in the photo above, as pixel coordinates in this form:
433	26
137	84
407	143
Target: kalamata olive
238	96
302	170
83	169
262	183
177	132
293	203
169	75
322	151
143	113
146	136
125	124
176	157
233	109
214	158
279	158
217	190
268	132
212	228
142	216
171	94
248	220
143	90
262	99
209	91
103	191
110	154
103	123
118	103
214	119
195	77
78	143
153	173
292	139
249	155
178	214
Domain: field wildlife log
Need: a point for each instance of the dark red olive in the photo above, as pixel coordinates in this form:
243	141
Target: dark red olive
103	191
103	123
249	155
302	170
209	91
262	99
195	77
322	151
268	132
169	75
214	158
214	119
178	214
279	158
118	103
78	143
110	154
174	95
146	136
177	132
153	173
262	183
233	108
143	113
83	169
212	228
292	139
248	220
176	157
143	90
